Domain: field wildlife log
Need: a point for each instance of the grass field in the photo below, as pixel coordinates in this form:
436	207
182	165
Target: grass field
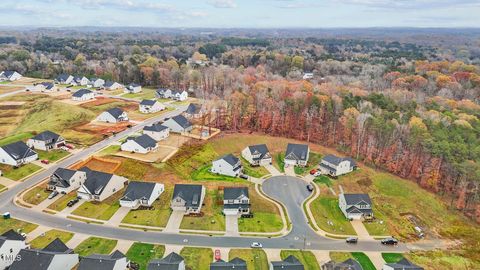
95	245
16	225
156	217
36	195
100	210
204	174
322	179
61	203
266	216
257	172
17	137
197	258
279	163
213	220
19	173
112	149
142	253
255	258
392	257
147	93
307	258
364	261
52	155
42	241
325	210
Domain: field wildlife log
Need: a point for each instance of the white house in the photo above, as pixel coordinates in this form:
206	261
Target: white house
355	206
133	88
10	245
403	264
308	76
178	124
109	85
257	155
142	144
66	180
228	165
113	115
81	81
171	262
163	93
83	95
10	75
115	261
45	87
16	154
97	82
150	106
46	140
99	185
141	194
188	198
64	79
297	154
335	166
180	96
236	201
157	131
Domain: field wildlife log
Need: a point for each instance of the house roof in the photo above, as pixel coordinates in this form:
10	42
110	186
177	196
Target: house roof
62	77
134	85
47	85
57	246
191	194
108	83
177	92
258	149
170	262
81	92
144	141
148	102
231	193
230	159
355	210
353	199
115	112
18	150
12	235
155	127
235	263
193	108
40	259
8	73
61	176
182	121
96	181
163	90
46	136
297	151
290	263
138	190
336	160
404	264
100	261
349	264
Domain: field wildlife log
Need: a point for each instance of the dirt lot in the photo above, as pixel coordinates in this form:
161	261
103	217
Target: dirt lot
99	128
174	140
196	132
99	164
10	115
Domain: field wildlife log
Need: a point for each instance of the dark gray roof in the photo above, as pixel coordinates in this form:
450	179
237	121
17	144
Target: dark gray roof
108	83
100	261
96	181
47	85
231	193
18	150
182	121
40	259
81	92
404	264
8	73
12	235
193	108
62	77
138	190
356	210
296	151
46	136
336	160
155	127
61	176
115	112
349	264
170	262
191	194
353	199
144	141
258	149
134	85
57	246
148	102
290	263
230	159
235	263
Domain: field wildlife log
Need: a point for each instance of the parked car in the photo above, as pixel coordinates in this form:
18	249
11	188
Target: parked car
309	187
45	161
72	202
218	256
256	245
352	240
389	241
312	172
70	146
317	173
53	194
243	176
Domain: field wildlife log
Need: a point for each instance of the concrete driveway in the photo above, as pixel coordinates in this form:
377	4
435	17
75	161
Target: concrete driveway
231	225
272	170
174	222
361	230
290	171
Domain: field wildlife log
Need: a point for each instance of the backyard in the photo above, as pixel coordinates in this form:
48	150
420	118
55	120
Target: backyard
142	253
197	258
255	258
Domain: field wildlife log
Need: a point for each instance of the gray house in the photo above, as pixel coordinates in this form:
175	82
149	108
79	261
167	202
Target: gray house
141	194
46	140
178	124
403	264
290	263
235	263
157	131
355	206
65	180
188	198
114	261
297	154
236	201
336	166
228	165
172	262
349	264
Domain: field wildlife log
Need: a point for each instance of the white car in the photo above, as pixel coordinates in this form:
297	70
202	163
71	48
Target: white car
256	245
317	173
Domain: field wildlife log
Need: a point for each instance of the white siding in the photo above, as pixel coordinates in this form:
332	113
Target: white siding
158	136
9	250
222	167
63	262
132	146
5	158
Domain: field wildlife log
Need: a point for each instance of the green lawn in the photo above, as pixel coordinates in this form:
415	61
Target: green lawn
36	195
307	258
378	226
392	257
258	171
313	161
112	149
197	258
323	179
255	258
100	210
16	225
20	172
42	241
52	155
61	203
17	137
364	261
325	209
142	253
212	220
279	163
95	245
204	174
266	216
145	94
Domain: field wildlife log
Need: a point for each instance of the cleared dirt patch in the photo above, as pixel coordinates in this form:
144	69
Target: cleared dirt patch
99	164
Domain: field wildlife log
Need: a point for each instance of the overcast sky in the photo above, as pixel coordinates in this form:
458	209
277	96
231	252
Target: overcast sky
241	13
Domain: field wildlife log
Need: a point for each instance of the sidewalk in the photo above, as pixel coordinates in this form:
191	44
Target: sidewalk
7	182
76	240
273	254
172	248
322	256
37	232
376	258
68	210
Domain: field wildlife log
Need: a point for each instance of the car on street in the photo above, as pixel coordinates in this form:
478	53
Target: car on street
243	176
389	241
352	240
256	245
218	256
73	202
309	187
53	194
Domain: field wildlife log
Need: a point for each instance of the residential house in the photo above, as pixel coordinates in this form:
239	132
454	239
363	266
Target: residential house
194	111
66	180
178	124
64	79
150	106
10	245
403	264
113	115
163	93
16	154
141	194
349	264
97	82
257	155
228	165
235	263
46	140
55	256
10	75
297	154
336	166
133	88
236	201
80	81
99	185
115	261
172	262
109	85
290	263
308	76
188	198
180	96
355	206
142	144
83	95
46	87
157	131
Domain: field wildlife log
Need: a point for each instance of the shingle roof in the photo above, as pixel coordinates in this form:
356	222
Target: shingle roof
290	263
61	176
231	193
193	108
353	199
57	246
40	259
12	235
191	194
96	181
8	73
18	150
155	127
170	262
62	77
404	264
108	83
81	92
47	85
144	141
182	121
46	136
258	149
230	159
235	263
336	160
115	112
100	261
134	85
296	151
138	190
148	102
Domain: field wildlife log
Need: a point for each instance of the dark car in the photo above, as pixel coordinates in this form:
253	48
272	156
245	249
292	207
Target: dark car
352	240
389	241
310	188
243	176
72	202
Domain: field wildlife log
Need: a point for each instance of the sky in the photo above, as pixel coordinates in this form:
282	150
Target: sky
242	13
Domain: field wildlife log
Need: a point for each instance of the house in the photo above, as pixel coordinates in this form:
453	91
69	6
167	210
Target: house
141	194
109	85
349	264
228	165
297	154
64	79
99	185
235	263
355	206
163	93
16	154
178	124
236	201
97	82
115	261
150	106
257	155
335	166
10	245
172	262
46	140
188	198
403	264
180	96
83	81
308	76
46	87
157	131
55	256
82	95
133	88
142	144
113	115
66	180
193	111
290	263
10	75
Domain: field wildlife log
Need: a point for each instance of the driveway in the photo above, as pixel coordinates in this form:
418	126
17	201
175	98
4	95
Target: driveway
231	225
290	171
272	170
117	218
174	222
361	230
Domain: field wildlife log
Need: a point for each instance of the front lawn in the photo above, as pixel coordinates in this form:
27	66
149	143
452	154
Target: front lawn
112	149
95	245
258	171
392	257
313	161
329	217
212	220
197	258
100	210
204	174
61	203
364	261
142	253
323	179
36	195
20	172
255	258
307	258
52	155
266	216
42	241
16	225
146	93
378	226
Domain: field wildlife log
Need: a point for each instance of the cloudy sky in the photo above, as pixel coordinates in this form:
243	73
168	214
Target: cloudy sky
241	13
